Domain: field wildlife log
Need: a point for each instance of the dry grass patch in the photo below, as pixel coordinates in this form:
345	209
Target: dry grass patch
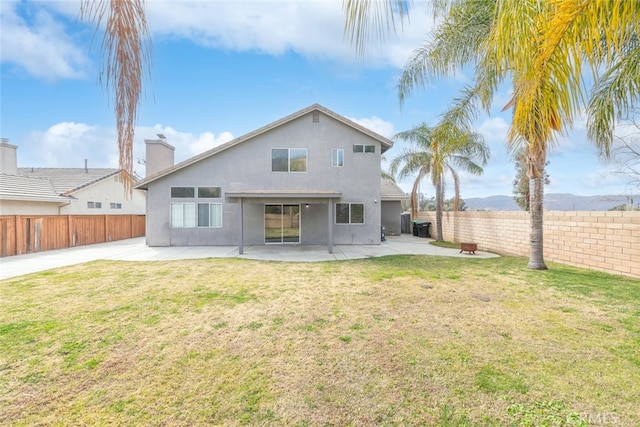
402	340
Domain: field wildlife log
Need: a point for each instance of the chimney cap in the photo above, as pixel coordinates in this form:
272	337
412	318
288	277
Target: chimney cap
157	142
5	142
161	136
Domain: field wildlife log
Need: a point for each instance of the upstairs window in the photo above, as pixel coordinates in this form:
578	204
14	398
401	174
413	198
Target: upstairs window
94	205
288	159
337	157
115	205
182	192
362	148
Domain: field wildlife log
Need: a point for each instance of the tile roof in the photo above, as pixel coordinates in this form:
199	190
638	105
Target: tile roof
14	187
67	180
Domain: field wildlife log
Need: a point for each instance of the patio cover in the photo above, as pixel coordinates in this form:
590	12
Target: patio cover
301	196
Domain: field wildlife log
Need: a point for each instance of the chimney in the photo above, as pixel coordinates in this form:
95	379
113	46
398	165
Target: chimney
86	169
159	155
8	157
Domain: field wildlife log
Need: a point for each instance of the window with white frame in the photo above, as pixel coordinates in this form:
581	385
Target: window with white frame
115	205
288	159
210	215
94	205
362	148
349	213
337	157
183	215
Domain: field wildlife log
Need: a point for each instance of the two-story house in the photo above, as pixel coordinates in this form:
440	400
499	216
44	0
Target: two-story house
311	178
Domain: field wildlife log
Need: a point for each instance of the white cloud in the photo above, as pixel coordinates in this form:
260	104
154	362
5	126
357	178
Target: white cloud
494	130
35	41
37	35
312	29
208	140
68	144
376	124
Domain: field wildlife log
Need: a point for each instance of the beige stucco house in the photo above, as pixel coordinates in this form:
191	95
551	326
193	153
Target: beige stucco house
62	191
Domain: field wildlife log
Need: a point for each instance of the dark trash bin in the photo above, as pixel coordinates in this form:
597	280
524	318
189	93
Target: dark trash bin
383	233
423	229
416	225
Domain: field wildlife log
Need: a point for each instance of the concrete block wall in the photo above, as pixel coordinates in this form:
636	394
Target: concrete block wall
605	241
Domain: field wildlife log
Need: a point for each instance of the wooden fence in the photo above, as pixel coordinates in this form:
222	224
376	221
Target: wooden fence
23	234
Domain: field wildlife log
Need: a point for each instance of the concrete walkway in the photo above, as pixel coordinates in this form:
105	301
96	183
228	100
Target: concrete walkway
136	250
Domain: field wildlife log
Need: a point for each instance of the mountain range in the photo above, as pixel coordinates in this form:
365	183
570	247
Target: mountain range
552	202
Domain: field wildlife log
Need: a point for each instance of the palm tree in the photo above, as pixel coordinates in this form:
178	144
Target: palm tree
541	47
433	153
126	48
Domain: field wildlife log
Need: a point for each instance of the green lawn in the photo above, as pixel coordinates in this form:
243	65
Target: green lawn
403	340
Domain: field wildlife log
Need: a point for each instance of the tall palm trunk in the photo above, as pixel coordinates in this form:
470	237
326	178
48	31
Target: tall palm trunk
536	248
439	184
415	204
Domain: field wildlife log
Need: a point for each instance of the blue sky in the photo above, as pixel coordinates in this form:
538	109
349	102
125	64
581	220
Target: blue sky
221	69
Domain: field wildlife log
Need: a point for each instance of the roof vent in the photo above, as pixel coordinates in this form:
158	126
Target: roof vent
315	117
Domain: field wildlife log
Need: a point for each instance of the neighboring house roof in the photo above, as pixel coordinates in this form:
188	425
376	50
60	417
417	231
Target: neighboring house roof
389	190
384	142
68	180
24	188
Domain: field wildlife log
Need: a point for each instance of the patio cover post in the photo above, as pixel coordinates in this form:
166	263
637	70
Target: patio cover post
240	244
330	226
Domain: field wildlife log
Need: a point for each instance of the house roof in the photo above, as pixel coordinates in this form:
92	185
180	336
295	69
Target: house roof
25	188
65	181
385	142
389	190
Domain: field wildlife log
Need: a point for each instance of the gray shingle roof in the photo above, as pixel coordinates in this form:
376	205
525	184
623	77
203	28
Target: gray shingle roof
389	190
385	143
14	187
67	180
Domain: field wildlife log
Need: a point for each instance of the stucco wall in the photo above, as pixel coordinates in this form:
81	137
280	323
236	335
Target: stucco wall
14	207
605	241
391	212
247	167
107	191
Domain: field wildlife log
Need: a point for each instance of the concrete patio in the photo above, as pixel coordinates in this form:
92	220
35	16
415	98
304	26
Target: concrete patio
137	250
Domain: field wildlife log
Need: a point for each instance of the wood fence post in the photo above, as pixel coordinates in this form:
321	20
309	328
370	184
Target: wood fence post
15	235
19	228
69	233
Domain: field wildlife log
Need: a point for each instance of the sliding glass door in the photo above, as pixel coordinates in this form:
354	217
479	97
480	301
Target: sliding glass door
282	223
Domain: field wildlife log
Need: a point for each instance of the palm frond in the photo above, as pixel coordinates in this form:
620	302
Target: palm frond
126	47
367	19
615	95
455	43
